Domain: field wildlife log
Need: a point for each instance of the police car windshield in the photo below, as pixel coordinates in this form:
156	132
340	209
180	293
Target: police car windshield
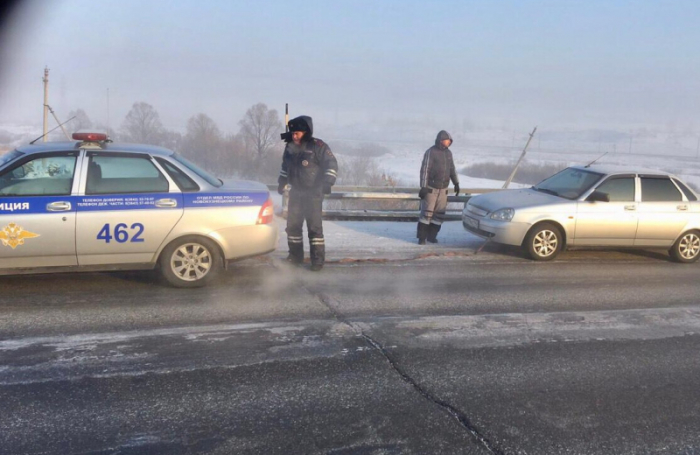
197	170
9	156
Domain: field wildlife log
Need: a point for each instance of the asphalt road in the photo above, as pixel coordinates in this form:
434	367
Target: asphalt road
451	354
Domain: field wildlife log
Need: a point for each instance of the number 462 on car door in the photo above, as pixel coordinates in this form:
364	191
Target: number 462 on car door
122	233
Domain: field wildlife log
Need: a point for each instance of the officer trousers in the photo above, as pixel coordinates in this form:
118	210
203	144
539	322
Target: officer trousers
433	206
305	205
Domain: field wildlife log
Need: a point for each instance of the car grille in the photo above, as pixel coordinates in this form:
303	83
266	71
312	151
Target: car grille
476	210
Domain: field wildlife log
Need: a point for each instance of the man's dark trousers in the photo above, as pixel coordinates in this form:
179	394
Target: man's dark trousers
306	205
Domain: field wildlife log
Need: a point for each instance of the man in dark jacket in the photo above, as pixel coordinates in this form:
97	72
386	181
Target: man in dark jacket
435	174
309	166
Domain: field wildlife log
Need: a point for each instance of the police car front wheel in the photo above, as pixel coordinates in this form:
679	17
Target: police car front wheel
190	262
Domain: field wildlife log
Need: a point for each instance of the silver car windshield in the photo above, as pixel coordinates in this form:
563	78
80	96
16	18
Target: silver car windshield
570	183
197	170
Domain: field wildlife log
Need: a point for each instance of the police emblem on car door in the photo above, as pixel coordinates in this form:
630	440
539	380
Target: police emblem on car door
37	211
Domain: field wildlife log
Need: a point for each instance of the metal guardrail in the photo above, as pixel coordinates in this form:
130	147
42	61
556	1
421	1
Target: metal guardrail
382	198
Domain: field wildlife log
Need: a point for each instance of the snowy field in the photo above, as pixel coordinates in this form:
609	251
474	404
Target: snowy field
405	160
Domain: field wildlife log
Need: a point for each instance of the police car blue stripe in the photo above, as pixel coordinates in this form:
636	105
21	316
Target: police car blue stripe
233	199
38	204
140	201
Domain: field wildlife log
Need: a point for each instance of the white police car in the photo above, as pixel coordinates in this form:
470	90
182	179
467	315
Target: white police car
94	205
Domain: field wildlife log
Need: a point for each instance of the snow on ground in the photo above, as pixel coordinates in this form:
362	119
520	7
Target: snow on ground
376	240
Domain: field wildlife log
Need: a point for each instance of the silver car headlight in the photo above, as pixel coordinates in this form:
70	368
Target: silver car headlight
503	215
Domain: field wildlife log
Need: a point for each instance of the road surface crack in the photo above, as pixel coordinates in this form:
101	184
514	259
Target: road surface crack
450	409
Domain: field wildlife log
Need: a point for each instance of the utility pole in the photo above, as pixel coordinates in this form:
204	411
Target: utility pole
697	150
46	101
522	155
630	145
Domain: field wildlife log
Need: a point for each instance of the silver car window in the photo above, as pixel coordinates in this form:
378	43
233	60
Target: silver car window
659	190
41	176
213	181
123	174
688	193
619	189
181	179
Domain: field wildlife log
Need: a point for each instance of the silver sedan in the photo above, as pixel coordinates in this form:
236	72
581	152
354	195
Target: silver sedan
94	205
592	206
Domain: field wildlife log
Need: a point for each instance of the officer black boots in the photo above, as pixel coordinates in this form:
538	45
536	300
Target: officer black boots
422	233
318	254
296	252
433	230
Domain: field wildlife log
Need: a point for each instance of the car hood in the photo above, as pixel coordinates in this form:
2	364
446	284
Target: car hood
242	185
515	199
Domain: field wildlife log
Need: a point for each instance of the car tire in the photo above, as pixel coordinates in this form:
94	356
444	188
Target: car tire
190	262
543	242
687	248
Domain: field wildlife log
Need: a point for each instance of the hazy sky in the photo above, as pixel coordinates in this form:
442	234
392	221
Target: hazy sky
581	63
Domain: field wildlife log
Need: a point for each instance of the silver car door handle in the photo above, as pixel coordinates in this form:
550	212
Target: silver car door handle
58	206
166	203
630	207
682	207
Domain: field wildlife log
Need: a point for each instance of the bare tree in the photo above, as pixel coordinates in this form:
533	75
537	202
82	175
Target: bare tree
202	142
260	129
142	124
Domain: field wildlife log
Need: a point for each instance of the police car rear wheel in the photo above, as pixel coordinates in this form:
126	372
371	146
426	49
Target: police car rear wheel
190	262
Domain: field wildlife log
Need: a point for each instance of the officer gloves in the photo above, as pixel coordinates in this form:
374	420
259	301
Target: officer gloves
326	189
423	192
457	189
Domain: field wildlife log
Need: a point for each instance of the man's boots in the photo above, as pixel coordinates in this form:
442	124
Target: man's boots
318	254
433	230
296	253
422	233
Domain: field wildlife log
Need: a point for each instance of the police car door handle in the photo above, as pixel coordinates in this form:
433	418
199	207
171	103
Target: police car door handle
58	206
166	203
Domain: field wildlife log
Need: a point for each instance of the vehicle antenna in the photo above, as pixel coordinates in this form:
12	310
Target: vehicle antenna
286	117
589	164
52	129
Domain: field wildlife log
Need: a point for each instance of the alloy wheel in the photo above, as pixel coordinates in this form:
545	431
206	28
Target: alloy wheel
191	262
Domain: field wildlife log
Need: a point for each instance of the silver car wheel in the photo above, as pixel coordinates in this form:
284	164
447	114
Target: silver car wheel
545	243
191	262
689	246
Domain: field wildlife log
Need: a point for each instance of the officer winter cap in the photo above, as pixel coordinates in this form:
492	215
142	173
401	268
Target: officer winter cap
302	123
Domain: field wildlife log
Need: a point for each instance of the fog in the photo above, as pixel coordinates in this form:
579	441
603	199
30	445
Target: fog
360	68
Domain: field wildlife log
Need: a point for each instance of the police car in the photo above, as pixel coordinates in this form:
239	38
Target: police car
95	205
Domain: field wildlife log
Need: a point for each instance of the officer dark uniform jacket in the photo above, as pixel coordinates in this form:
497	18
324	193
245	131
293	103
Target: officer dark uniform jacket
437	170
311	169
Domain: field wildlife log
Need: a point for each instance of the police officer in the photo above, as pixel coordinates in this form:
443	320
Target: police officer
309	166
437	170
